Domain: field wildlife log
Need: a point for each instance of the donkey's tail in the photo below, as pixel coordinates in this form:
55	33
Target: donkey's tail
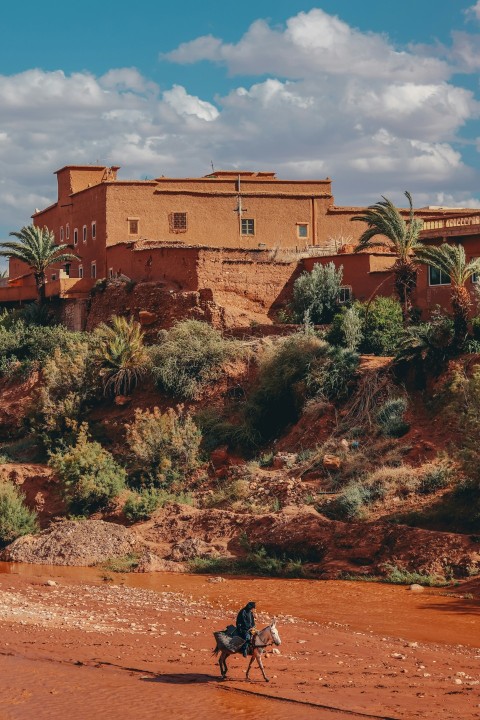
215	651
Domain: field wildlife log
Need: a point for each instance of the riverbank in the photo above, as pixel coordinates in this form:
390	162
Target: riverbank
141	644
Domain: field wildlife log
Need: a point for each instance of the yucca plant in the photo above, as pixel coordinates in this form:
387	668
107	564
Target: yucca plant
385	221
36	248
121	355
451	260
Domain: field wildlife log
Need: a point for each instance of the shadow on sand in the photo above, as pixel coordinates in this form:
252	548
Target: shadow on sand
183	678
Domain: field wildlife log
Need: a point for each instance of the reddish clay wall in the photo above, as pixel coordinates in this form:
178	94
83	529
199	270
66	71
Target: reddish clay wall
366	276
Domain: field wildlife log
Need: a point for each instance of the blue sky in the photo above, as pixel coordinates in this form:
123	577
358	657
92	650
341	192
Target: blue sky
380	96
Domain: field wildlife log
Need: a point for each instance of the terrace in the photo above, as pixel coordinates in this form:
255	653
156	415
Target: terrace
452	226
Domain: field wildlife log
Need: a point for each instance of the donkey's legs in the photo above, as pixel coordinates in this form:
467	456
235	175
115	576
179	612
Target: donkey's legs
222	664
258	657
249	666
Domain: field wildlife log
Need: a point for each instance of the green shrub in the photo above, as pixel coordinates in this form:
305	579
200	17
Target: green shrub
90	475
435	476
280	390
347	328
401	576
382	325
331	376
121	355
427	346
70	383
24	347
476	327
124	564
390	417
257	562
164	447
189	357
349	504
15	518
316	293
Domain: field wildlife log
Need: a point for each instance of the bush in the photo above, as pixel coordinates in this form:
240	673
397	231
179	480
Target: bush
25	347
164	447
91	476
390	417
15	518
142	505
476	327
436	476
331	376
70	383
316	293
427	346
349	504
279	392
382	325
347	328
121	355
189	357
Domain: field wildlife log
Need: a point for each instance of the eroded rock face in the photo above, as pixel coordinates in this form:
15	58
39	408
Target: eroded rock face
78	543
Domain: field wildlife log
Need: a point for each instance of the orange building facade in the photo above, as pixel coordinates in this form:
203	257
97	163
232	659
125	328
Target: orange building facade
189	232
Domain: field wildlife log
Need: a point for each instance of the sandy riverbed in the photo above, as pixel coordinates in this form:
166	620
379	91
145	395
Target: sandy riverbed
140	647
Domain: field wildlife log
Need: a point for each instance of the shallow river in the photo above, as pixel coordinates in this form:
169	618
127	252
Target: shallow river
379	609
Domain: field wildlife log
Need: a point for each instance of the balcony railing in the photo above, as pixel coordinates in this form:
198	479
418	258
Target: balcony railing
457	221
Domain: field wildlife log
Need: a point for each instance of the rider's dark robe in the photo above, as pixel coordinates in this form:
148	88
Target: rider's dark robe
245	621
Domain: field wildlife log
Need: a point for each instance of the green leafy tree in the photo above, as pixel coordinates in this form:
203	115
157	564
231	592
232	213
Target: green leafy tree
15	517
36	248
316	293
451	261
386	224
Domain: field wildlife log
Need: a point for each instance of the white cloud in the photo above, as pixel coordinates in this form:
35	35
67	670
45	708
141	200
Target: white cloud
474	10
185	104
311	43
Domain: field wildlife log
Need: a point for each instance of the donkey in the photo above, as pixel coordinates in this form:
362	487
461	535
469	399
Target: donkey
227	645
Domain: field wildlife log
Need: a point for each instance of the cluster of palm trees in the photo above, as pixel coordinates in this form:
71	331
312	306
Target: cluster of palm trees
387	228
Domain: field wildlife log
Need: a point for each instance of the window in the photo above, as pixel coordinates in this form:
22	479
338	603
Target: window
80	271
110	272
75	236
67	269
61	234
132	226
248	226
344	294
94	230
84	233
302	230
179	221
93	270
54	276
67	231
437	277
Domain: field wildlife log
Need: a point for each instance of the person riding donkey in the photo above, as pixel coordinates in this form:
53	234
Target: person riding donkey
246	625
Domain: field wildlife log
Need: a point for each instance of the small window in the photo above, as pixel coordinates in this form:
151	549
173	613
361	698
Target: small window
179	221
93	270
133	227
110	273
54	276
94	230
61	234
67	269
437	277
84	233
248	226
67	231
75	236
80	271
302	230
344	294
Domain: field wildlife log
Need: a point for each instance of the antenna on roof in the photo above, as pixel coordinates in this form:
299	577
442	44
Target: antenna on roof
211	163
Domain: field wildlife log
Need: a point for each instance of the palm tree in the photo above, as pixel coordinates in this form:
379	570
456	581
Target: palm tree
451	261
385	220
36	248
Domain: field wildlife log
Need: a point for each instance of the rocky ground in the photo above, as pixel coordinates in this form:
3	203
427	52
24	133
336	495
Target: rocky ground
75	645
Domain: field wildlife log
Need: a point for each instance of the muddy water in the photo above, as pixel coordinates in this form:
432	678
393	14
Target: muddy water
390	610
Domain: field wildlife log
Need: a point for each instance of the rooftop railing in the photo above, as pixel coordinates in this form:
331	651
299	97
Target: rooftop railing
452	222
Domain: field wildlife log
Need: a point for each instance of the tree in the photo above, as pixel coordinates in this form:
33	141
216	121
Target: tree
450	260
36	248
121	355
385	220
